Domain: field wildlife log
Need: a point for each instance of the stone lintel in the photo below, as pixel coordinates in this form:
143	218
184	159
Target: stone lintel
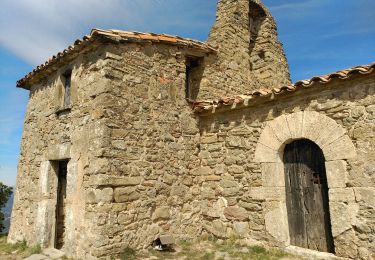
58	152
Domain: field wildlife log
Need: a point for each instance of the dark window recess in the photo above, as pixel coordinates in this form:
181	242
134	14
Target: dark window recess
67	88
257	15
62	170
194	73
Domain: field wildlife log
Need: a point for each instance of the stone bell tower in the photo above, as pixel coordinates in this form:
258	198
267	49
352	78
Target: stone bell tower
249	53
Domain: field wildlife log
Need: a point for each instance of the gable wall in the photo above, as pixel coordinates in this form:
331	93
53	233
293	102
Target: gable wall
52	134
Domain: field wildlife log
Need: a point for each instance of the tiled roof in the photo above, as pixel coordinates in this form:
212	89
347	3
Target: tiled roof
270	94
123	36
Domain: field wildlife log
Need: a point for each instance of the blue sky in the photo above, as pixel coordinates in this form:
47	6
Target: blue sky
319	36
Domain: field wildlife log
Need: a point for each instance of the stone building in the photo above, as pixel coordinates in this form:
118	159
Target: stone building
129	136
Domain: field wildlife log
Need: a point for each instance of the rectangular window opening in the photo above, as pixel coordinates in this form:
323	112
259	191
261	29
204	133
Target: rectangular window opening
67	77
194	72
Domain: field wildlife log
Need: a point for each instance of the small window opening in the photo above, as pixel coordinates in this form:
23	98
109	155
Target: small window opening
256	18
262	54
194	73
67	77
257	15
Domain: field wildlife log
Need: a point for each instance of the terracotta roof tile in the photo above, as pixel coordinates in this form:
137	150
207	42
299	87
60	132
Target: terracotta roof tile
244	100
123	35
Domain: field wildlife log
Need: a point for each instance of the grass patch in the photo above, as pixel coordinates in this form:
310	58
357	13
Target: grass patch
19	249
207	248
208	256
35	249
211	248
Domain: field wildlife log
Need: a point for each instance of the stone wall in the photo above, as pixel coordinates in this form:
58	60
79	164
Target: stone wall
249	191
250	55
142	164
132	142
142	182
52	133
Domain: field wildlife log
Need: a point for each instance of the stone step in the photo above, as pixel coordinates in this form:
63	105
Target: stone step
37	257
311	254
47	254
53	253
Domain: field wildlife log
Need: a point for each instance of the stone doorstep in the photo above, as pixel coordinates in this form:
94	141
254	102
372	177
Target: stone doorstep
311	254
53	253
37	257
47	254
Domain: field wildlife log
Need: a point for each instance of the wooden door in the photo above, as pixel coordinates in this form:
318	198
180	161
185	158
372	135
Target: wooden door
307	196
60	205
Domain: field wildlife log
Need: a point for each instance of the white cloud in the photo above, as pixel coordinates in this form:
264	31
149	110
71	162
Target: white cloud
37	29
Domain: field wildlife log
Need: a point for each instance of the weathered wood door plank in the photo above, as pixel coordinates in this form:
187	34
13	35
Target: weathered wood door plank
307	196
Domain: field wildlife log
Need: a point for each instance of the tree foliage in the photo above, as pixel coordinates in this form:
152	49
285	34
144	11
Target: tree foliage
5	193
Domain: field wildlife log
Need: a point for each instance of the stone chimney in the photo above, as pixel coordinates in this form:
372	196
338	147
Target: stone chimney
250	55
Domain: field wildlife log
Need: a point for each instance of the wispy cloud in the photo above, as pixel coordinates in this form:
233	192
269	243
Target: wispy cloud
36	29
369	30
293	5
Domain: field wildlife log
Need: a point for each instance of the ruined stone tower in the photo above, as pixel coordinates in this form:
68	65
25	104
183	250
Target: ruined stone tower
250	56
129	136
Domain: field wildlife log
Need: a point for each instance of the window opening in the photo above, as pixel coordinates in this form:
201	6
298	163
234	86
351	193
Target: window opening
257	16
194	73
67	88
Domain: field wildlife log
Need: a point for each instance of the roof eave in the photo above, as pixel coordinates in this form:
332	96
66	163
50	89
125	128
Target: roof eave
206	108
114	36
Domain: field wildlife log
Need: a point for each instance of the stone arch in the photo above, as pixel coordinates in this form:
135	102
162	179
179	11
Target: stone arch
337	147
322	130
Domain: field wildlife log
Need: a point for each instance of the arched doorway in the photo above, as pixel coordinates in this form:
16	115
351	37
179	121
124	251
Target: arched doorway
307	196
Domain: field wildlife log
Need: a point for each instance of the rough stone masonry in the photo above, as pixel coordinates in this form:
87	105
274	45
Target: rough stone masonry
129	136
